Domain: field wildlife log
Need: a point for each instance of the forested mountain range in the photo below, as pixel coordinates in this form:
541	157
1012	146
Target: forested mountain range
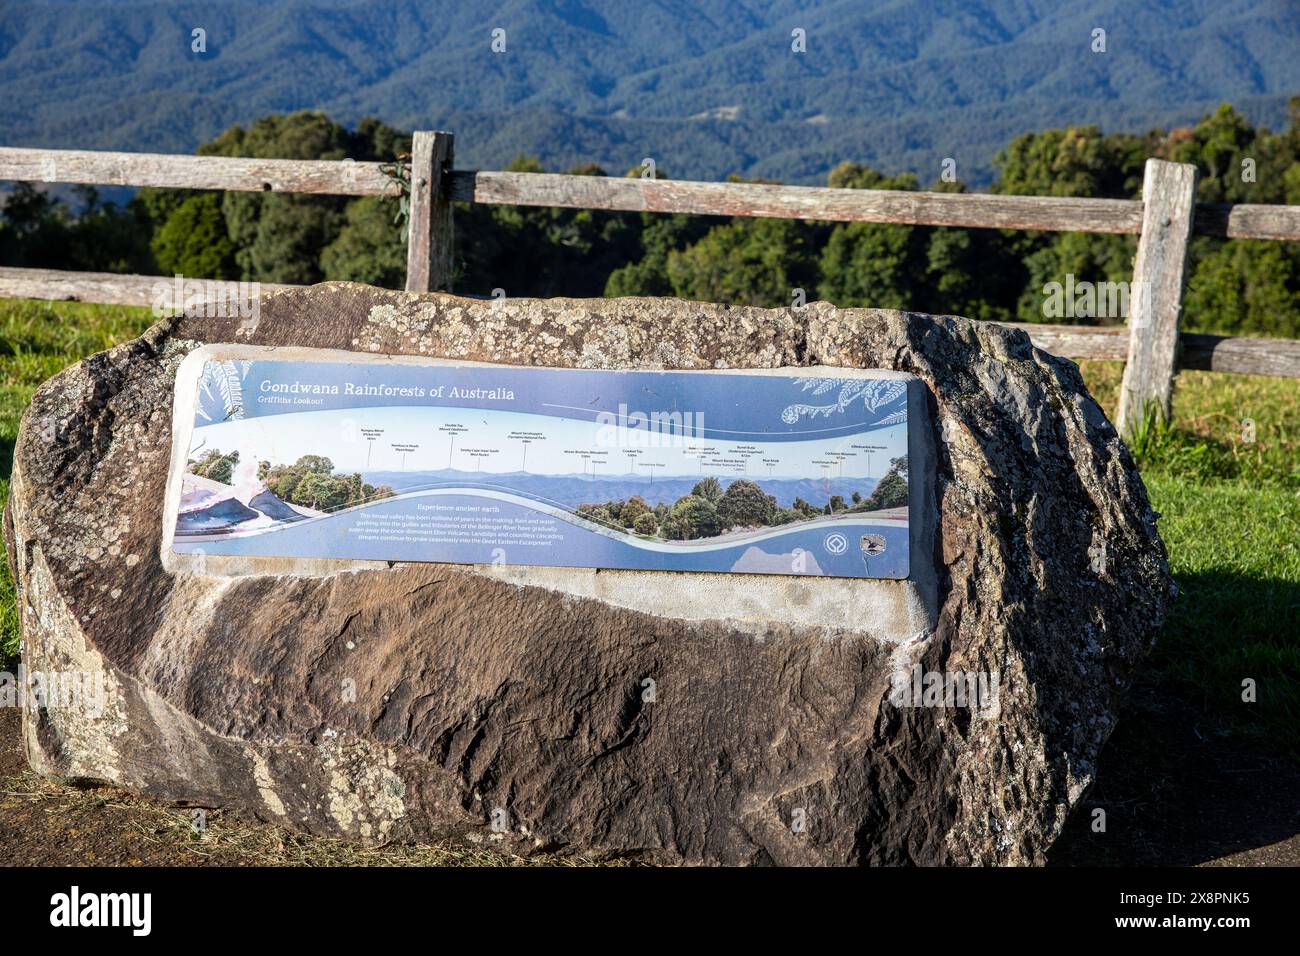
706	87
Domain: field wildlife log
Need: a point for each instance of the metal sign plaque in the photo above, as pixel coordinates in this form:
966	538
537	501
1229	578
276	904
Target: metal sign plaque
298	454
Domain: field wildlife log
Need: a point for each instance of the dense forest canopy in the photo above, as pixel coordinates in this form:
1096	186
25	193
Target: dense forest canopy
1234	286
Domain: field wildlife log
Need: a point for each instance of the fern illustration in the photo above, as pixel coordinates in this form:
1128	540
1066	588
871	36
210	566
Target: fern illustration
221	391
874	395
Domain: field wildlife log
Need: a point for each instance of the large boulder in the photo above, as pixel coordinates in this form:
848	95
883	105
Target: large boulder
515	700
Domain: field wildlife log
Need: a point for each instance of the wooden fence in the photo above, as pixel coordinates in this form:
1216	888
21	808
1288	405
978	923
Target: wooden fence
1165	219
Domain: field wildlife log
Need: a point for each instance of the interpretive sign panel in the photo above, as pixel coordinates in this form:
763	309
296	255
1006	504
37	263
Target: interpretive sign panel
791	471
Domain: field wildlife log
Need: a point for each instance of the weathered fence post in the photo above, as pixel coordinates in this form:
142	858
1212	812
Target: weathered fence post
428	250
1156	296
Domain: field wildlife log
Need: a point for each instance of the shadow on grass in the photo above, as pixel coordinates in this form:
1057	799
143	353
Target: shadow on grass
1193	773
7	443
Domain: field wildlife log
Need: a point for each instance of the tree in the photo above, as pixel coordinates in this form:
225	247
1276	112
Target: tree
570	251
283	482
375	492
311	482
193	241
1216	146
745	504
1090	258
970	272
676	528
871	264
1233	286
804	508
660	236
316	463
646	524
656	237
1076	161
1244	287
597	513
891	492
370	246
745	262
278	237
216	466
632	510
316	491
692	517
40	231
709	489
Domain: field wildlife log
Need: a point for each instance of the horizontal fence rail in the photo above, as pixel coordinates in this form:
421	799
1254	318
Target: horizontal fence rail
354	178
103	288
1152	349
321	176
972	210
1247	221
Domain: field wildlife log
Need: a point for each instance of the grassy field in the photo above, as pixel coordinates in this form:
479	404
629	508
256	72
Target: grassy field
1230	516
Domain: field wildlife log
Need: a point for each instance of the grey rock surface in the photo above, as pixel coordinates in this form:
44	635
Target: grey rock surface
477	692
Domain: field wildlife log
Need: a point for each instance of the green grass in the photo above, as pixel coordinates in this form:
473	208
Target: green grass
1235	556
38	340
1230	513
1207	440
1230	519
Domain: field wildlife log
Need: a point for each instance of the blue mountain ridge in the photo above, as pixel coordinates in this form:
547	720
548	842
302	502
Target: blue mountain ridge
570	491
706	88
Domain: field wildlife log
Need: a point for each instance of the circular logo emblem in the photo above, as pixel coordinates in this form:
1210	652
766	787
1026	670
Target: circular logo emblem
836	543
